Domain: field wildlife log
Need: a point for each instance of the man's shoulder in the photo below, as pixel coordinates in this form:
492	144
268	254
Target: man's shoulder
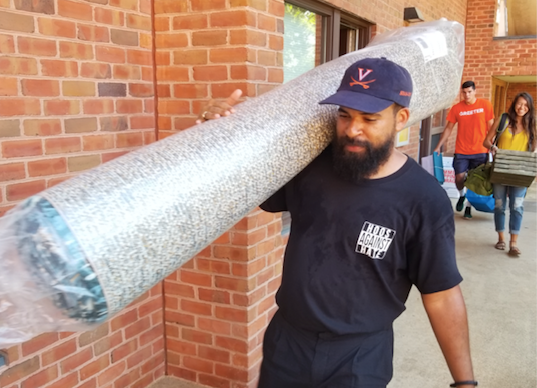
416	176
485	102
460	105
419	171
457	108
423	182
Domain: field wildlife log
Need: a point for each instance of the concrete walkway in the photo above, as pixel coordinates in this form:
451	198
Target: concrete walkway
501	298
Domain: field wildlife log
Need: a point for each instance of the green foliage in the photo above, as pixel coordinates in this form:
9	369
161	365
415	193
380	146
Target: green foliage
299	41
301	16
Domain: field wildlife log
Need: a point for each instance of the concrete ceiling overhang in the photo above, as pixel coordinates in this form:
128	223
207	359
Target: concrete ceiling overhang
519	79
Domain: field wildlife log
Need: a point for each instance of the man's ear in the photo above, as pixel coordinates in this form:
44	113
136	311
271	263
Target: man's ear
401	118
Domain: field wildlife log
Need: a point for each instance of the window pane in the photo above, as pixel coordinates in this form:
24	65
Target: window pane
299	50
348	40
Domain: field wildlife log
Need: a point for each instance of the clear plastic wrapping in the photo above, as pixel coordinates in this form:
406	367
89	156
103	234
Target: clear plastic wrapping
45	280
79	252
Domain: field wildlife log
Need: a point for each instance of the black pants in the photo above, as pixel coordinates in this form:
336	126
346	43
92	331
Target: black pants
296	359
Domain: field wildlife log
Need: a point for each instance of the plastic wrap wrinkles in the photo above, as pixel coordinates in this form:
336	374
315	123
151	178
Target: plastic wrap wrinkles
127	224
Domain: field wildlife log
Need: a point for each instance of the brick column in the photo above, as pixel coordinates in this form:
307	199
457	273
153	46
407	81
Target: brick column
76	89
218	305
206	49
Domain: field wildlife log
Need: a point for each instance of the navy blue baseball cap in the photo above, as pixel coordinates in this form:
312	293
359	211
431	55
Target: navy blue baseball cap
373	84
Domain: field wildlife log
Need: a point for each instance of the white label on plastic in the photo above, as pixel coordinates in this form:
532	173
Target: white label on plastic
432	44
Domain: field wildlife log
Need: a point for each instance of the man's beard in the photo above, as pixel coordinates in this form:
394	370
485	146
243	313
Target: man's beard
356	167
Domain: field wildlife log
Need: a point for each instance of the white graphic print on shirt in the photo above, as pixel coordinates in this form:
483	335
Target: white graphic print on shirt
374	240
472	112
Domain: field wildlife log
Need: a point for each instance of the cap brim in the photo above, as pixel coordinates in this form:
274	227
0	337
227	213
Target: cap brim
357	101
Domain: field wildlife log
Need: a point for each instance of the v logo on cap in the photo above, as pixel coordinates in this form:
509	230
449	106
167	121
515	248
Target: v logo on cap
361	73
361	76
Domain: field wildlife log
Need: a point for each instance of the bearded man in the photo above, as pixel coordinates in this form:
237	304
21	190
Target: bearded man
367	223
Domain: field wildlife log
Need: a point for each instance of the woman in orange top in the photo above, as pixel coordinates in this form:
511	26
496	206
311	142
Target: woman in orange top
520	135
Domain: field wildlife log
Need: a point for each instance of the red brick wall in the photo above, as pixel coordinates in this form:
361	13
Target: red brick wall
487	57
388	14
206	49
127	351
76	89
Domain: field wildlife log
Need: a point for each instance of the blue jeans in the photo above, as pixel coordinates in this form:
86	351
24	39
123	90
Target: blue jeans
516	207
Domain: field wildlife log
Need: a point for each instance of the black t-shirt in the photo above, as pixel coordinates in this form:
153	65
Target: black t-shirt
354	251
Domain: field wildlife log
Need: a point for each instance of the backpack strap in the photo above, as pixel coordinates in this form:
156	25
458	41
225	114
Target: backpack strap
504	122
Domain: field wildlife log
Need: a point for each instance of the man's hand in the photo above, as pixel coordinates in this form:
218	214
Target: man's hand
216	109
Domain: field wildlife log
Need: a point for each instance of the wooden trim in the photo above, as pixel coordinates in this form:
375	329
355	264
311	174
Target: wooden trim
425	137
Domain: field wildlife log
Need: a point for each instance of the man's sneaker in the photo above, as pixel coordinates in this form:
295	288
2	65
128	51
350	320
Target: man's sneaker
468	213
460	203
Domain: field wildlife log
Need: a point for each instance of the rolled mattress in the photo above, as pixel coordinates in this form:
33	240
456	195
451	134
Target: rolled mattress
75	254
